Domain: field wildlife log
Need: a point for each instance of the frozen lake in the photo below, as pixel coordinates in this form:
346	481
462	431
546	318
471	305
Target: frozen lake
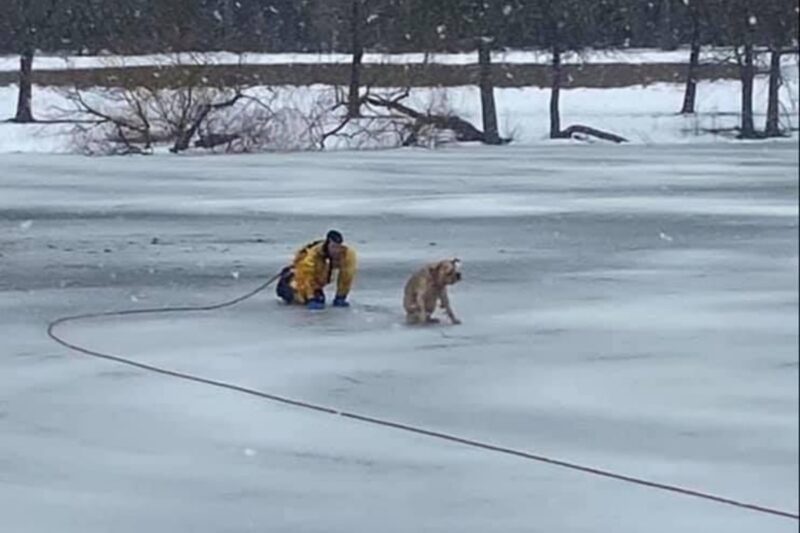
627	308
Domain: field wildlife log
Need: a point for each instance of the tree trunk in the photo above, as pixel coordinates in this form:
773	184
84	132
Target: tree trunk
691	74
24	105
747	74
773	128
490	131
354	99
555	93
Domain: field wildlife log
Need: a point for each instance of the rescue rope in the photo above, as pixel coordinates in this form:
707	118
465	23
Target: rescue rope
368	419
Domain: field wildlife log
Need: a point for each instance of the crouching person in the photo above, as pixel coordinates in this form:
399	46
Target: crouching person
304	280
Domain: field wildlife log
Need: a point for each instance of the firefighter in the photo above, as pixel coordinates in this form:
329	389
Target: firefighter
303	281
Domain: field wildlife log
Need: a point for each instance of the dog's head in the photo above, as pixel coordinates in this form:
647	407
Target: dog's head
446	272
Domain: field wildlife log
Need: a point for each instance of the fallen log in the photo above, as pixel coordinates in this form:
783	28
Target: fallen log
586	130
463	130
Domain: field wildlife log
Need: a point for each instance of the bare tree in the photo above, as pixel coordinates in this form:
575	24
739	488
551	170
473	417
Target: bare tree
487	27
140	114
30	25
698	16
739	22
746	60
468	24
780	25
357	49
359	20
488	109
565	26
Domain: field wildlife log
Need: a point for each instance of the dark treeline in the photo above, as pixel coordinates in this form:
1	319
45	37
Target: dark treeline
146	26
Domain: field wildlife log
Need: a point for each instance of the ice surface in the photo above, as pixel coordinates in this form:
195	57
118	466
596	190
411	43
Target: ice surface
587	336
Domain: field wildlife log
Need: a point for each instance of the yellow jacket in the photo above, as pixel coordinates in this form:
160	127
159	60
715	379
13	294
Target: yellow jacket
313	271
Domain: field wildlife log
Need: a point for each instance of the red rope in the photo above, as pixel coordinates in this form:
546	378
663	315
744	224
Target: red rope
372	420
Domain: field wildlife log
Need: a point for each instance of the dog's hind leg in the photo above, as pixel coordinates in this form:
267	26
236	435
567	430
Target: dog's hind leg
423	315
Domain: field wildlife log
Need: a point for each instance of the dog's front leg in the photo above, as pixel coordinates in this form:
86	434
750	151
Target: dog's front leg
445	301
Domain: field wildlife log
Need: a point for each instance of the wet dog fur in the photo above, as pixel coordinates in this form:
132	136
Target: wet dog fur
427	288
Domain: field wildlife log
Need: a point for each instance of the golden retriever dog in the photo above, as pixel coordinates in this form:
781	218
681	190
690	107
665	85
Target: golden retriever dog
427	288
